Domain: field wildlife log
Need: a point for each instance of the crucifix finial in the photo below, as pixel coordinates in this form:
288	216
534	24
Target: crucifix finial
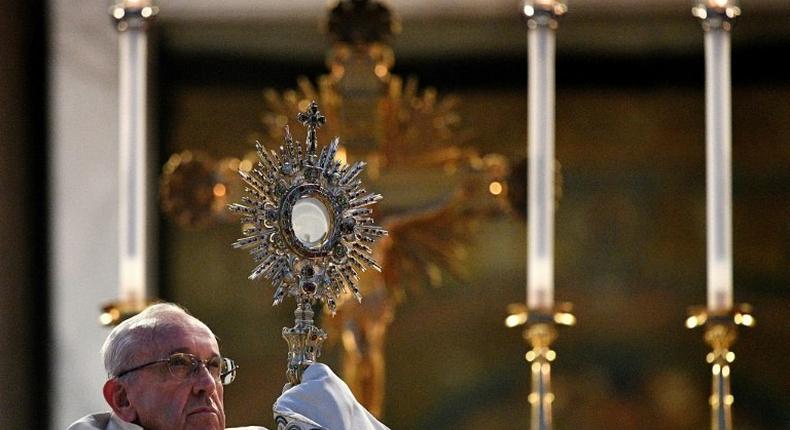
313	119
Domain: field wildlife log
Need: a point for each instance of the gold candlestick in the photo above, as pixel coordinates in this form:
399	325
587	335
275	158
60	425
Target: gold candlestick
540	332
720	334
131	19
114	313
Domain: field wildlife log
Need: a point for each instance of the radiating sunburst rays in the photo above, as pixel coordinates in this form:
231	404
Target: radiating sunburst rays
321	271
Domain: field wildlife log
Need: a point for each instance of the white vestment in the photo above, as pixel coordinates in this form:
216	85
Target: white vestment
110	421
321	402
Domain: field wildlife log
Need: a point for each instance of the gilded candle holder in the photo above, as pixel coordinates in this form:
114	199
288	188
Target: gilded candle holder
720	334
716	15
540	331
116	312
133	15
128	15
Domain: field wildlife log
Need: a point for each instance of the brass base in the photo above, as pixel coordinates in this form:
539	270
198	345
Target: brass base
720	334
115	313
540	332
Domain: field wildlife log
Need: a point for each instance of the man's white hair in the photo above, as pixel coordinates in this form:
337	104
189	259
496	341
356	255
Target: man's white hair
131	336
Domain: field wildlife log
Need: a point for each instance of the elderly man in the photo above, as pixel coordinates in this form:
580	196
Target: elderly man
166	373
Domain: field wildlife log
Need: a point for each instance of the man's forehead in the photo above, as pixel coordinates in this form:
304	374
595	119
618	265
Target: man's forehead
190	336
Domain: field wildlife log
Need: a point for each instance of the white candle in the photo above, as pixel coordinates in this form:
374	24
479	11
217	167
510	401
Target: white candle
132	161
718	142
540	264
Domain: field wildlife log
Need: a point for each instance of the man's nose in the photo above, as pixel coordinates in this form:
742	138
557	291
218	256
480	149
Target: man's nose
203	380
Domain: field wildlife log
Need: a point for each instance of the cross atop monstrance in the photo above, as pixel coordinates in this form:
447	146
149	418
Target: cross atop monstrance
313	120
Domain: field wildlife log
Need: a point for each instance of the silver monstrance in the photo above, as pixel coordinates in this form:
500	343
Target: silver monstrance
306	221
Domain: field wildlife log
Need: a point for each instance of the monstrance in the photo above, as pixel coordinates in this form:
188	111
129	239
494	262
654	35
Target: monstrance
308	224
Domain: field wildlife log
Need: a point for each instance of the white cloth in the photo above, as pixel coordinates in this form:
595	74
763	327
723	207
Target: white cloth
110	421
103	421
321	402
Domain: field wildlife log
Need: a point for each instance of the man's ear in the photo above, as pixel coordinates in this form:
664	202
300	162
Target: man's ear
117	397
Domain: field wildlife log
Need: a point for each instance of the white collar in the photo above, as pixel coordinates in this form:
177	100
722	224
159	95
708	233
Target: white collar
116	423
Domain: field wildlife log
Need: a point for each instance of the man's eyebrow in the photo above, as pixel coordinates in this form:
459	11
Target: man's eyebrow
188	351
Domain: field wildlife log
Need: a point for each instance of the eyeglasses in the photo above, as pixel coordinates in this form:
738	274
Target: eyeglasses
183	365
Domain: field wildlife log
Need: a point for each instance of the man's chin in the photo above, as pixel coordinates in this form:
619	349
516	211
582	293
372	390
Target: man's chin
204	421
